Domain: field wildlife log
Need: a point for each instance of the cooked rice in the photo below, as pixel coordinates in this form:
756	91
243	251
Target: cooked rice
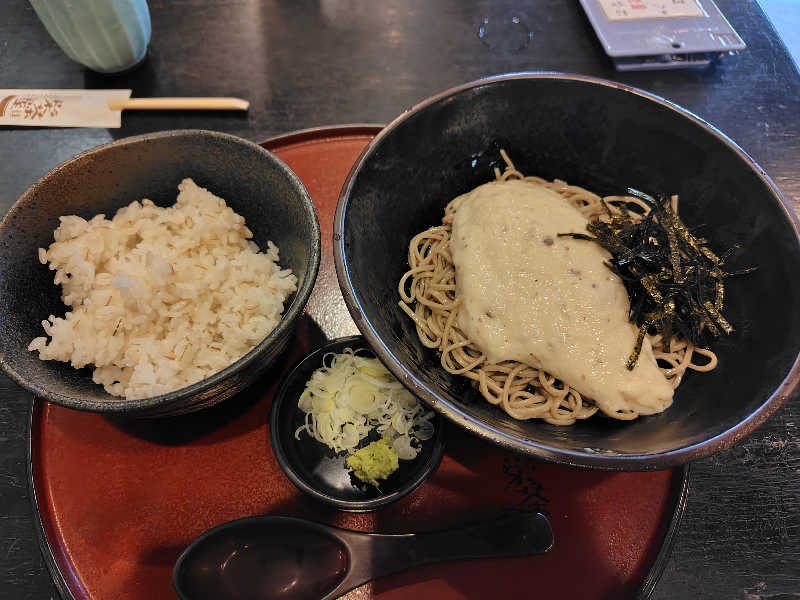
161	297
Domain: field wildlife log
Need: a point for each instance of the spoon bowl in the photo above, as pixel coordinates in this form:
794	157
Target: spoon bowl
294	559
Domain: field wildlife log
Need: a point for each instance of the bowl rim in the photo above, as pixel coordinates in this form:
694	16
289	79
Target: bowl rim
573	458
282	457
114	406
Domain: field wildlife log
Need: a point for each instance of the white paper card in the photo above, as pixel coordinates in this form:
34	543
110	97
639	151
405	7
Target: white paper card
619	10
60	108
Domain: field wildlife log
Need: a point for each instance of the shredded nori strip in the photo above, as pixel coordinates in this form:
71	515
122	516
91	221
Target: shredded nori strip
674	281
637	348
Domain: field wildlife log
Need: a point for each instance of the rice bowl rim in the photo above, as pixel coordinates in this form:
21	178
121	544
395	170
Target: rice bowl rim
116	404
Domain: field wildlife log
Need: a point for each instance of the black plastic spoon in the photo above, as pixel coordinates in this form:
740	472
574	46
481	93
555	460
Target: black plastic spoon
294	559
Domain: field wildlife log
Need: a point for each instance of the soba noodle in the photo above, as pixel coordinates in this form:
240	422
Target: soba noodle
428	295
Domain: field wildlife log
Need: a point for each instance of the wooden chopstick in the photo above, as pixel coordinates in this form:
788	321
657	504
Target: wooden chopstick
179	104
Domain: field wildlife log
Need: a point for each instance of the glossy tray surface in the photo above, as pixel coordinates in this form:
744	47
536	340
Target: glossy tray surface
118	500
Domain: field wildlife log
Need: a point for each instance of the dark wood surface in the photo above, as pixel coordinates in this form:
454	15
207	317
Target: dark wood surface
311	63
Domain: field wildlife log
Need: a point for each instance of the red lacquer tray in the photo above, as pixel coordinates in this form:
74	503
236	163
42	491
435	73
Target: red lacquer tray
117	501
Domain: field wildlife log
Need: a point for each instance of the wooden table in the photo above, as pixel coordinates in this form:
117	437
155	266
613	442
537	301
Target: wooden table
306	64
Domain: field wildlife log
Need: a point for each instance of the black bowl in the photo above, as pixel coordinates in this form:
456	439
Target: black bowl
606	137
316	470
254	183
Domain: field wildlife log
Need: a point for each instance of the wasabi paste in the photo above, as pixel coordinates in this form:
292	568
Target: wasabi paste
376	461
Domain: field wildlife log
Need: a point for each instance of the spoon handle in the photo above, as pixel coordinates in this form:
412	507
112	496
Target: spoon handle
510	535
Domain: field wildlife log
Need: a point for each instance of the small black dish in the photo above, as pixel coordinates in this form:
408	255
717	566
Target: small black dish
316	470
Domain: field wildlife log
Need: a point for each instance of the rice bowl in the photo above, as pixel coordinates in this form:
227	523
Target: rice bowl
255	184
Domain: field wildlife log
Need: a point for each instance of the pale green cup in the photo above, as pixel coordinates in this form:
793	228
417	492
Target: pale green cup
107	36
